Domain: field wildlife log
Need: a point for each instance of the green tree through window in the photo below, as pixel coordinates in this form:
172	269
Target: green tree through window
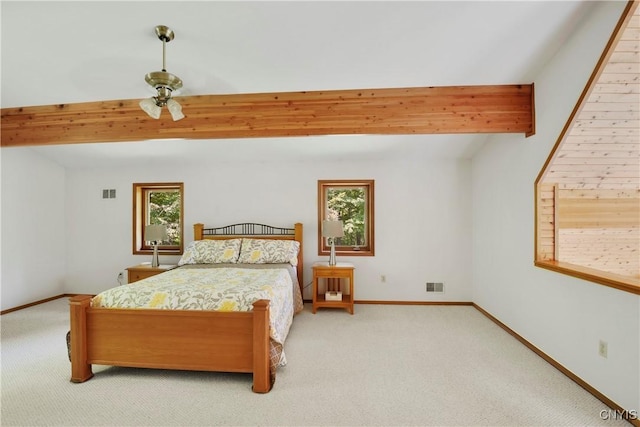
349	201
349	206
164	208
158	203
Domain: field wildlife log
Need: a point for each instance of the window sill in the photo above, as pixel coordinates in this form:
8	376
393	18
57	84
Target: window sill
160	252
350	253
617	281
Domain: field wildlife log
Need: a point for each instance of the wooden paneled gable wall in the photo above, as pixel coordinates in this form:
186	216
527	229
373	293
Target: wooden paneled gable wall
588	193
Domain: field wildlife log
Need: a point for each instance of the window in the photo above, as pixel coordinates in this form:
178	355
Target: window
588	191
158	203
350	201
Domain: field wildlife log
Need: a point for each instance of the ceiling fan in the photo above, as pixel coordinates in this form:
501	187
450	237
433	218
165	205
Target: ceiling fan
163	82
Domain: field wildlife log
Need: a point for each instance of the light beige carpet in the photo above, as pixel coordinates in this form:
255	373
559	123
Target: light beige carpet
385	365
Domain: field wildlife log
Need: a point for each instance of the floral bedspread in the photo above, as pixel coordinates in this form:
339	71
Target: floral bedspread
220	289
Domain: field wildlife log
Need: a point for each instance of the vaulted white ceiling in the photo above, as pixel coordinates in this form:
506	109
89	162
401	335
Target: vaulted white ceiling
65	52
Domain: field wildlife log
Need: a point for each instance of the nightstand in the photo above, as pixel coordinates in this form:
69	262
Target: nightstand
333	275
143	271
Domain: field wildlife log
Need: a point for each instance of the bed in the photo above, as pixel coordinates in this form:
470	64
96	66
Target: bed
220	336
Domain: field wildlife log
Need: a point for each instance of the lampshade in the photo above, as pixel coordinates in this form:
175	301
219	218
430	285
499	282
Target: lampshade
332	229
155	233
149	106
175	109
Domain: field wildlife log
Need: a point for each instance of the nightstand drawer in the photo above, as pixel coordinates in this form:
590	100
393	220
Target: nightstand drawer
144	271
333	272
134	276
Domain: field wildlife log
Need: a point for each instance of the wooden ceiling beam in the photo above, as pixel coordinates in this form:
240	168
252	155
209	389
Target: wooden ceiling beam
426	110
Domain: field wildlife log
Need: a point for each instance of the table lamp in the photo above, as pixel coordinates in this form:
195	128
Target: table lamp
155	233
332	230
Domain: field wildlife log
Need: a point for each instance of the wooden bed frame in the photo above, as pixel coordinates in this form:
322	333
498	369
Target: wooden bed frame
180	339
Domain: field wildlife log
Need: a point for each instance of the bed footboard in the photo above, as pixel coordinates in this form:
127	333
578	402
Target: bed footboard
170	339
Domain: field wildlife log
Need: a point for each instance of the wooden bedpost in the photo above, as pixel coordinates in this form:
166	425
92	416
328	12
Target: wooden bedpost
197	231
261	353
80	368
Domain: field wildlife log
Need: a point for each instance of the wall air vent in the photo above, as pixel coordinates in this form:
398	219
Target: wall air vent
109	194
435	287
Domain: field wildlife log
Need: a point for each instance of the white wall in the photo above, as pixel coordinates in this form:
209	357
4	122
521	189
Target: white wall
563	316
33	232
423	220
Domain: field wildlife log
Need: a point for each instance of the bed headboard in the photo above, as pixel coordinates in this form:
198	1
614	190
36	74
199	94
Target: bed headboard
252	230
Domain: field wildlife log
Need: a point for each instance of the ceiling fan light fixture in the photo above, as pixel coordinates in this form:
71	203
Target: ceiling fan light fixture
175	109
150	107
163	82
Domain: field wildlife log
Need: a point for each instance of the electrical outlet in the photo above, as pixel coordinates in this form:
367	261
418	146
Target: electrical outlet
603	348
120	277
